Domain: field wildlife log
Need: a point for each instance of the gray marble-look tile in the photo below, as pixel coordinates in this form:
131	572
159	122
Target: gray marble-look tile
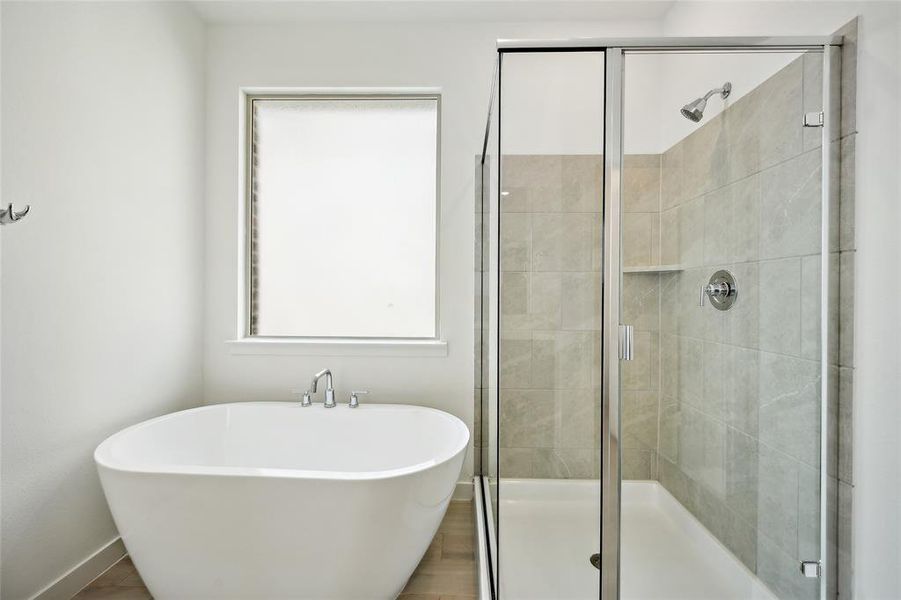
516	242
582	181
515	462
516	199
789	406
743	133
669	365
719	230
790	214
715	380
777	503
742	393
710	510
639	464
670	252
562	463
526	418
778	569
691	233
672	189
846	309
562	359
581	300
670	306
541	175
808	512
514	299
562	242
641	183
639	418
675	481
780	306
847	193
742	326
779	116
745	219
515	359
641	301
641	239
640	373
702	448
740	537
741	474
691	371
577	417
670	421
810	306
705	166
545	301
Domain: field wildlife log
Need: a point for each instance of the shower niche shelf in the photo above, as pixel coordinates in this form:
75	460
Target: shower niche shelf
653	269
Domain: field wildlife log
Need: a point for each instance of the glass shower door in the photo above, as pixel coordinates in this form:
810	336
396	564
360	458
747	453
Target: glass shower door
724	281
550	203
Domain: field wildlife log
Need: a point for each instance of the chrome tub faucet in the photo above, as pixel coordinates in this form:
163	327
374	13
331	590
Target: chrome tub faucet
329	389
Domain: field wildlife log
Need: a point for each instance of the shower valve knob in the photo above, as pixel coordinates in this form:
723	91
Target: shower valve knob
720	290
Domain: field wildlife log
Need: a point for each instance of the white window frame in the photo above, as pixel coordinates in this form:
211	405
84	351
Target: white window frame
245	342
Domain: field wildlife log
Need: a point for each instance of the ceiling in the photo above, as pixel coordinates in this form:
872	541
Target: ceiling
281	11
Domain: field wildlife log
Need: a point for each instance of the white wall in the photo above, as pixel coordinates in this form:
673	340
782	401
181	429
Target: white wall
877	322
101	112
458	58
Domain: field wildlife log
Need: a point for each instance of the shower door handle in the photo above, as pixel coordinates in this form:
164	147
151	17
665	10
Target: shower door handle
626	342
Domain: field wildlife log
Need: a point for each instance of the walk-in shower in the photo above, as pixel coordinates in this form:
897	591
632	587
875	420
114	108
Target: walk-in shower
657	362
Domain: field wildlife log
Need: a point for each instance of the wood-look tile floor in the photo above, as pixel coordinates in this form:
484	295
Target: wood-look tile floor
447	571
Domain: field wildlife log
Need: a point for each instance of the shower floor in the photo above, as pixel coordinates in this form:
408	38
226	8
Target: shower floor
549	528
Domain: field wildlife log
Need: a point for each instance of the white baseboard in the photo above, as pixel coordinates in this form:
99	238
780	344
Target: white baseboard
463	491
74	580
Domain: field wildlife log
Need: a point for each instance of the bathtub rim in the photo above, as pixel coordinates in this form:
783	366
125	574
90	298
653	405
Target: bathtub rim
104	461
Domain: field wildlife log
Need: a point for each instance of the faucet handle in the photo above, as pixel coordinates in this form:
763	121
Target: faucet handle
354	401
307	399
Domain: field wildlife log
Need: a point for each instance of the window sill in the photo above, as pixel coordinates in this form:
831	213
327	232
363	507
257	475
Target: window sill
337	347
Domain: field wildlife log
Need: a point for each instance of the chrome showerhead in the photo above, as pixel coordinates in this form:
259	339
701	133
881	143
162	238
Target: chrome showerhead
694	110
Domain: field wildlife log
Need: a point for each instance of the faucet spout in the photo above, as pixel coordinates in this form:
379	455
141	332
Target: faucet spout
329	387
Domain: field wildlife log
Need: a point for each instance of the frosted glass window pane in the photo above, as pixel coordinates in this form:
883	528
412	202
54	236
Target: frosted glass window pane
344	217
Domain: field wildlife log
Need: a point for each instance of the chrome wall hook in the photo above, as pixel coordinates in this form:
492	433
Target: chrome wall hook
9	215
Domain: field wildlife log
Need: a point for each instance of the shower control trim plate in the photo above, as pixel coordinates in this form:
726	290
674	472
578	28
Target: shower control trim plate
720	290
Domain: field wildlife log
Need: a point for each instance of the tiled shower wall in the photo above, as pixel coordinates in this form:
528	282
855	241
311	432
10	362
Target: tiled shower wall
740	390
550	307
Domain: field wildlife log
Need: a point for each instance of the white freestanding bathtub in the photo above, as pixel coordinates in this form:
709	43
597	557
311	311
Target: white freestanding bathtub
279	501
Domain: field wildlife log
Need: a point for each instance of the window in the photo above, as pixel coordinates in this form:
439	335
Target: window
343	216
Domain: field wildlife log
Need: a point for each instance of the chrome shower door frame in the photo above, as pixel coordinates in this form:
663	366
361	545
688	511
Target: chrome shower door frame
611	401
611	457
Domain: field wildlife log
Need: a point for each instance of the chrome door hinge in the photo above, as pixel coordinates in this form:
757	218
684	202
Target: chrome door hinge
626	342
814	119
810	568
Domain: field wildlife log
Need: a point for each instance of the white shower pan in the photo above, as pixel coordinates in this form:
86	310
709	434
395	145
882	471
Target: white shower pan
549	528
275	500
